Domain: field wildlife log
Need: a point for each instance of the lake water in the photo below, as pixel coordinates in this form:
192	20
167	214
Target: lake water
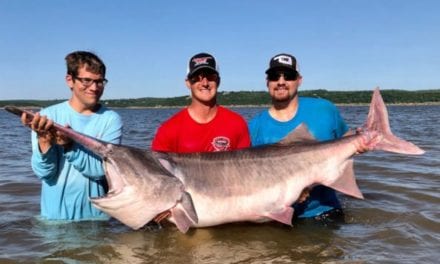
398	222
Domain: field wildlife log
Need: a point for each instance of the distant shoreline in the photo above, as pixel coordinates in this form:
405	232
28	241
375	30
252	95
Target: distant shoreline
258	99
240	106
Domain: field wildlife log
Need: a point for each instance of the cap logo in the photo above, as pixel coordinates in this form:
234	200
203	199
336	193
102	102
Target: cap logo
202	60
283	59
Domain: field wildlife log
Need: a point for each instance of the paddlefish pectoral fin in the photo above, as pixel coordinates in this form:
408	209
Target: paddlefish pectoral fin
184	213
188	207
346	182
181	220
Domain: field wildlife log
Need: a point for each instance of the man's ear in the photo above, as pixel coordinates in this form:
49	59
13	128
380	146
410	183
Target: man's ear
69	81
300	79
188	83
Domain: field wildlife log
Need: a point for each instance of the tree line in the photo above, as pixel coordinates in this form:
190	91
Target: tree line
247	98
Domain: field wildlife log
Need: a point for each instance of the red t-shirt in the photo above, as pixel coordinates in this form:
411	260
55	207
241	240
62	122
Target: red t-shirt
181	134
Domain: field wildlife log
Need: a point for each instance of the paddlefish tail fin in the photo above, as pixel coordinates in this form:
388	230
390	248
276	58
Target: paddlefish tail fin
377	121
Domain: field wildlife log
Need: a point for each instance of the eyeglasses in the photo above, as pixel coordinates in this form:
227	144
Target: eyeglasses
288	76
211	77
88	81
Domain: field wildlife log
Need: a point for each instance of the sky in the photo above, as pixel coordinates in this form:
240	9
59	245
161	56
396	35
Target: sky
340	45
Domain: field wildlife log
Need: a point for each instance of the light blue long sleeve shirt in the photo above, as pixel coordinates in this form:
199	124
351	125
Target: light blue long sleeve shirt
70	178
325	123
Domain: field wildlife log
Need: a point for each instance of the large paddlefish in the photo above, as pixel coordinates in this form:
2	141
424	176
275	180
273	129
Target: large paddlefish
255	184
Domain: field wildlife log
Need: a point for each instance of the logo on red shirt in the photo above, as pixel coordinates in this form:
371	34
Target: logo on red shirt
221	143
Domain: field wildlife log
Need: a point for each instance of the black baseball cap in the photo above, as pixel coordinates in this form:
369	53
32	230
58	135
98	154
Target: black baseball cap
284	62
202	61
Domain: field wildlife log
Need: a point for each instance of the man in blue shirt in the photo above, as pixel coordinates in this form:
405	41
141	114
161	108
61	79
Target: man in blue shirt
70	174
285	114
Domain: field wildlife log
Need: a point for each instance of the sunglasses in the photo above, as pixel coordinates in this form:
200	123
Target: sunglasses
288	76
211	77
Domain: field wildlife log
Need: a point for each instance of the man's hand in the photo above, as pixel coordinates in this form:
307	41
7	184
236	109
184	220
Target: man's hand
46	134
62	140
361	148
304	195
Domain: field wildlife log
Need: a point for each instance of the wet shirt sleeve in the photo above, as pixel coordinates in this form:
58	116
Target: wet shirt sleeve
45	166
88	163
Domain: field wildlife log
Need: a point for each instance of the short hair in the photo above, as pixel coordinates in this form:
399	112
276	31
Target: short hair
79	59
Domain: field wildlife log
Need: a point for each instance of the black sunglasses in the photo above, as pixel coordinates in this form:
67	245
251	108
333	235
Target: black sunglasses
288	76
211	77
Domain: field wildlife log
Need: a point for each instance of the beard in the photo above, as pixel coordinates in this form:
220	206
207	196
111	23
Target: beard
283	95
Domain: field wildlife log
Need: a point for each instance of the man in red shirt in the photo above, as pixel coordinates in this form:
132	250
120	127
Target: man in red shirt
203	126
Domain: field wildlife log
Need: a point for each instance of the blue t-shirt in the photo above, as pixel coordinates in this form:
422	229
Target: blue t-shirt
70	178
324	123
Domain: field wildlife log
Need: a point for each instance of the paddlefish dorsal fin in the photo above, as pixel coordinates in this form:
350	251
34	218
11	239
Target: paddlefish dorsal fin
300	134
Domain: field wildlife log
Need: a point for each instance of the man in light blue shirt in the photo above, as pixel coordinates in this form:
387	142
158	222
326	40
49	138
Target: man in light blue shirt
287	111
70	174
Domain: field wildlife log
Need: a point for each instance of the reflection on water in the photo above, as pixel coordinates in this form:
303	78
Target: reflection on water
398	222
